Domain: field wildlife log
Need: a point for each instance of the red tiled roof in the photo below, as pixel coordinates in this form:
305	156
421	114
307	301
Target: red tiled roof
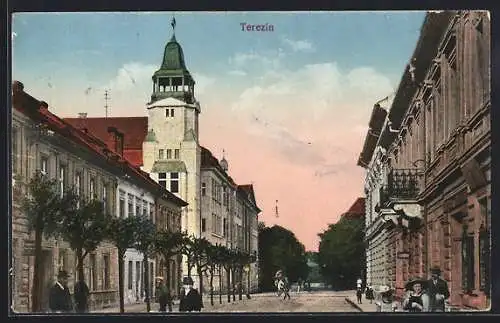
357	209
134	129
38	110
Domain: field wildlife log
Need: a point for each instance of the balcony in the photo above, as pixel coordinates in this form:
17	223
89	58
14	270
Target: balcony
402	185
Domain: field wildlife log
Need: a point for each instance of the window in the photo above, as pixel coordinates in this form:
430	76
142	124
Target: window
162	179
151	212
467	261
203	189
174	182
161	154
214	223
78	187
44	165
214	189
104	198
169	153
224	227
144	208
167	113
130	274
14	149
130	205
62	179
93	272
121	205
92	189
137	207
172	113
63	260
106	272
484	248
224	196
176	153
203	225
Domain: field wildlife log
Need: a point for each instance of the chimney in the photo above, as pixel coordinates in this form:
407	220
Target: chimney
82	124
82	115
44	105
17	87
115	140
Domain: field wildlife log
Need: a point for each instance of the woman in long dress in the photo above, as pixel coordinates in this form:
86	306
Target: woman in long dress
386	302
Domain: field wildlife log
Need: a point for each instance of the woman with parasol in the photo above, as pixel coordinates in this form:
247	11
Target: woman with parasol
416	299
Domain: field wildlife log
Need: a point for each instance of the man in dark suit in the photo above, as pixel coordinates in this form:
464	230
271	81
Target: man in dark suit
190	299
60	297
437	289
81	293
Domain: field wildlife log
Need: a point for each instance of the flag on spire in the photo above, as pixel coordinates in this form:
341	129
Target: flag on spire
173	23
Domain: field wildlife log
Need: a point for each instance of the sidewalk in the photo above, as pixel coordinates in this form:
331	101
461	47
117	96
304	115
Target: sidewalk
365	306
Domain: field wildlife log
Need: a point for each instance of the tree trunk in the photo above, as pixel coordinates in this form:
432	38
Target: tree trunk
228	278
212	286
232	285
200	275
248	282
189	268
240	283
146	283
81	278
220	284
37	281
121	265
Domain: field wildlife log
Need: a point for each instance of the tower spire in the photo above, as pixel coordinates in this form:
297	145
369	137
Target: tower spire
173	25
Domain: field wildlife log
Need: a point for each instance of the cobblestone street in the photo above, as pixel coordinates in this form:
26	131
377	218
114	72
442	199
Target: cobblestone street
324	301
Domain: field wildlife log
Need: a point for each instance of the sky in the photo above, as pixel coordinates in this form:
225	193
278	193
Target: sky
289	106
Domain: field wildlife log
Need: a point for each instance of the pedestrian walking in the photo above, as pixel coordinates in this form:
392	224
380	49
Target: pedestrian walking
416	300
359	294
437	289
299	284
163	295
81	294
386	302
369	293
60	297
190	298
285	288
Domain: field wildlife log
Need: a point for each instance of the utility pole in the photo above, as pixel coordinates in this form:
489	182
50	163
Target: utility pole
106	98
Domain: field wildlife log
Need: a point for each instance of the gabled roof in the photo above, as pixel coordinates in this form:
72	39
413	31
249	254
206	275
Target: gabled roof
134	129
248	192
38	111
209	161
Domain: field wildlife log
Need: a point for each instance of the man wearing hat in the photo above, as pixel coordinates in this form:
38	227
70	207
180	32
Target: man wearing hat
60	297
438	291
190	299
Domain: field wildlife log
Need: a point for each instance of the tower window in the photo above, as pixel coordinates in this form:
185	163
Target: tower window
203	189
161	154
203	225
172	113
176	153
162	179
167	113
169	153
174	182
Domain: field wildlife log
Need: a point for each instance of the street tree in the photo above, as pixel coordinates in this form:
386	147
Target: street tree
226	261
122	232
212	263
84	228
199	248
280	249
145	244
188	250
219	259
43	207
341	255
168	244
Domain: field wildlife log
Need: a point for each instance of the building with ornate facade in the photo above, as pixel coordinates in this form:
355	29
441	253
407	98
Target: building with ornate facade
166	145
42	141
435	148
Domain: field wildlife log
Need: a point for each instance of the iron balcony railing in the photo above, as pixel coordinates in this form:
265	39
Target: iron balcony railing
402	184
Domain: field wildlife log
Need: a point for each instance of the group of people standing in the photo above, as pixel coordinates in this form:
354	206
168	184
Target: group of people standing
421	295
60	300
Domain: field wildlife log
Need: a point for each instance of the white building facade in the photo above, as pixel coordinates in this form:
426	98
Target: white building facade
135	201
